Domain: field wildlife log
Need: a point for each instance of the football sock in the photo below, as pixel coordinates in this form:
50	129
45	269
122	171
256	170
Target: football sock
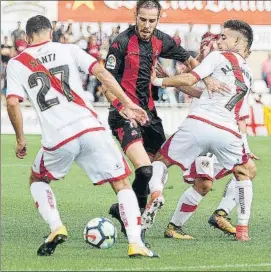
141	184
46	204
130	215
243	197
228	201
159	177
187	205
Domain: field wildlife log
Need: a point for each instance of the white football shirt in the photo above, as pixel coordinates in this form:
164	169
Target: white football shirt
49	75
223	110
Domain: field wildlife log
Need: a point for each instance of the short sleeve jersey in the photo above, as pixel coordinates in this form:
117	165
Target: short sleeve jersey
131	60
49	75
224	109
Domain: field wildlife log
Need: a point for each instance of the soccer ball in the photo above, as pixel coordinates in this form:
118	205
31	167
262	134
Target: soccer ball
100	233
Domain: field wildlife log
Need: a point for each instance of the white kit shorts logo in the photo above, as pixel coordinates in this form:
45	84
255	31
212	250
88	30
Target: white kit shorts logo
111	62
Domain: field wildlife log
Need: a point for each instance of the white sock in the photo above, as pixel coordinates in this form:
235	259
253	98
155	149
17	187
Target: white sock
187	206
130	215
159	177
228	201
243	197
46	203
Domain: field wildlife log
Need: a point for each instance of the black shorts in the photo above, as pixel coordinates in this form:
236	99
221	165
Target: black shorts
152	135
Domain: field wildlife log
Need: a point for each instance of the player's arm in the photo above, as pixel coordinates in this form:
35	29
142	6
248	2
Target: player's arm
90	65
161	71
15	94
202	71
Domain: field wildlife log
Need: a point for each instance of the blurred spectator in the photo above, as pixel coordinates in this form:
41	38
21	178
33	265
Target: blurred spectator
68	34
6	51
21	42
16	33
62	29
80	39
177	37
100	35
115	33
89	31
191	41
56	32
266	71
62	39
93	48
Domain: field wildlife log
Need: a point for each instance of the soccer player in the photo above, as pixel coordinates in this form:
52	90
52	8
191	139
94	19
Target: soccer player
214	169
211	126
49	74
131	59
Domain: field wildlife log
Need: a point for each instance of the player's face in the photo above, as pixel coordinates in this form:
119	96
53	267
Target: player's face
146	22
227	40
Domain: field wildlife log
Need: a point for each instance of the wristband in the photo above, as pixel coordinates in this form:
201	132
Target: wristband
157	82
117	104
245	142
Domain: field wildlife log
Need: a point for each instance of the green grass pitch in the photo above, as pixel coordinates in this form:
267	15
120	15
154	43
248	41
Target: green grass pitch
78	201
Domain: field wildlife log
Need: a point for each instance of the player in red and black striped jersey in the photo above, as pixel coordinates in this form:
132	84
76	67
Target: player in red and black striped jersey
131	59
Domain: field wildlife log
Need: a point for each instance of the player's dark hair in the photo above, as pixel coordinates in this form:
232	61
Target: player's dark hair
37	24
241	27
148	4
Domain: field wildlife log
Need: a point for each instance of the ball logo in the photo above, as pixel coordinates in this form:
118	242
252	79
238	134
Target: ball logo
93	237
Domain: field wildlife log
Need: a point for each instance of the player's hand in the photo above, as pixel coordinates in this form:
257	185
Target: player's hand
214	85
254	157
132	111
161	71
20	149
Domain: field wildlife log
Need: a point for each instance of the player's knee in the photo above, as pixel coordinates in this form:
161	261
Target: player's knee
160	157
121	184
142	178
33	179
241	172
203	186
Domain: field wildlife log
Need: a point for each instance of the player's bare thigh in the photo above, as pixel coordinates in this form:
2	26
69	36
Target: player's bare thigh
138	155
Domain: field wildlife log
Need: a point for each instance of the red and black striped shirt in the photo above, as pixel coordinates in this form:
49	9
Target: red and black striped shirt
131	60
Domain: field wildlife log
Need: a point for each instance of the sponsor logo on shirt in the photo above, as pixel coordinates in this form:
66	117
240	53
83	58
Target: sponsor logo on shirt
111	62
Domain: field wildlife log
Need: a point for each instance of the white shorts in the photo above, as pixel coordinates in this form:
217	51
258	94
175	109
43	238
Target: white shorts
196	138
96	152
205	167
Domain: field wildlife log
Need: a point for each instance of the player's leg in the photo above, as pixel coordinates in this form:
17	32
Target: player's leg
201	175
219	219
103	162
243	198
131	142
179	149
131	217
230	153
51	165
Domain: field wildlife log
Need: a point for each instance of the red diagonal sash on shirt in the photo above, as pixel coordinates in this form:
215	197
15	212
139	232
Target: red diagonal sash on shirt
32	64
239	76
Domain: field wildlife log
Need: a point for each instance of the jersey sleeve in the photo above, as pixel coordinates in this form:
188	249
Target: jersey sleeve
114	59
14	85
170	49
208	65
84	61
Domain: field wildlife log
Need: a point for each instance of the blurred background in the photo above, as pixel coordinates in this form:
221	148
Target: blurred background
93	25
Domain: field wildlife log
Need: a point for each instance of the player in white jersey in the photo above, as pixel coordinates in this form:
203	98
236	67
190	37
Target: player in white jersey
208	166
211	126
49	74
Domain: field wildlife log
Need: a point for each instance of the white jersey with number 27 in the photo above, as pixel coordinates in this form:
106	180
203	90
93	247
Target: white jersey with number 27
49	75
